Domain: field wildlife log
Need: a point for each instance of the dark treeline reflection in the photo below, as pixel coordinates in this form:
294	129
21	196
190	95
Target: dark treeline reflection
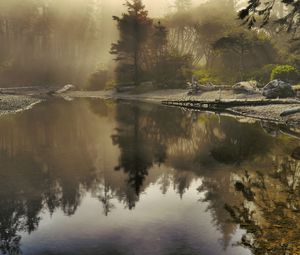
51	158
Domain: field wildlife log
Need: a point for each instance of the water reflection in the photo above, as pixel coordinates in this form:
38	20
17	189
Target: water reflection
269	208
59	154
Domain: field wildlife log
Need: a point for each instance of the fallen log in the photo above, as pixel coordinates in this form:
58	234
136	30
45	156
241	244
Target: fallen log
207	88
290	112
224	104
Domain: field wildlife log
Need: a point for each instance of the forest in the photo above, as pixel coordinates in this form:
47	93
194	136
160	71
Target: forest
215	45
52	42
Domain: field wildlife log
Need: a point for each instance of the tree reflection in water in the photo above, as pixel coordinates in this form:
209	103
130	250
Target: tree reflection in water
52	158
269	208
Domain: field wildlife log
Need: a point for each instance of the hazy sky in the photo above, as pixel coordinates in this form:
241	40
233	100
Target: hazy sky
157	7
161	7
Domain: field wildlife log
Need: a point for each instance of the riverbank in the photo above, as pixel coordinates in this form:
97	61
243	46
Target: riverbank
270	112
16	103
19	99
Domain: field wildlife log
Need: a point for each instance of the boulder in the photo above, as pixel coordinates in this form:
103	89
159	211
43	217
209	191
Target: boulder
248	87
278	89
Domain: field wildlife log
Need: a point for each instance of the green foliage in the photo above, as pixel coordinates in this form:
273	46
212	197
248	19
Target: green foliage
285	73
205	76
110	84
194	30
98	80
135	28
262	75
173	71
255	13
294	60
242	51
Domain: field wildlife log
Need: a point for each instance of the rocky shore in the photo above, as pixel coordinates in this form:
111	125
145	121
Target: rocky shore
18	99
270	112
16	103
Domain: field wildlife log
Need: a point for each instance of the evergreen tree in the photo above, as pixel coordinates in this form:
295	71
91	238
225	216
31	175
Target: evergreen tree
134	29
263	10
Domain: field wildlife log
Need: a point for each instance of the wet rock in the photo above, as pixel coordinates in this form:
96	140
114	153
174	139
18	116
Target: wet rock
246	87
278	89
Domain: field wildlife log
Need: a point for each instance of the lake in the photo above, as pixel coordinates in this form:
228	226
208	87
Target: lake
103	177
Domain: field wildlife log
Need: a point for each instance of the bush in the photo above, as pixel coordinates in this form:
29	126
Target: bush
110	84
172	71
205	77
262	75
285	73
98	80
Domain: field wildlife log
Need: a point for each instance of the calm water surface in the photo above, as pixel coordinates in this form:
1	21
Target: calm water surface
93	177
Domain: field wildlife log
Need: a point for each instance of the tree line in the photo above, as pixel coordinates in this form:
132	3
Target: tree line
210	42
50	42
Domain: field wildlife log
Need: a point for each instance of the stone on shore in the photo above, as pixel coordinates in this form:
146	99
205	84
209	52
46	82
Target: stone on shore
278	89
65	88
246	87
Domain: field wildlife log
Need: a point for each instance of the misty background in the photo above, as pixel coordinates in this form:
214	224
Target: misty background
57	42
54	42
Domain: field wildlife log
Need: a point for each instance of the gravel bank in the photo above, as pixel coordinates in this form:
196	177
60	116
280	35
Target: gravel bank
25	99
268	113
16	103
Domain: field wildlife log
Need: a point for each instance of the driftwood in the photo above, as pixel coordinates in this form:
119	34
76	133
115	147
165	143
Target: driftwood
65	88
218	105
290	112
207	88
213	87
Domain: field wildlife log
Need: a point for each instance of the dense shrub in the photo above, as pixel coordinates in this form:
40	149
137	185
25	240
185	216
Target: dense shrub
98	80
204	76
262	75
285	73
173	71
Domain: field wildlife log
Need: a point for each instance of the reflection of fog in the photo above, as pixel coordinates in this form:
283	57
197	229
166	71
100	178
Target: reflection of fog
56	153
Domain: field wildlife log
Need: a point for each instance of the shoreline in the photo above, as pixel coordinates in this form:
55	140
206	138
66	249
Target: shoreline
270	112
11	104
21	99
